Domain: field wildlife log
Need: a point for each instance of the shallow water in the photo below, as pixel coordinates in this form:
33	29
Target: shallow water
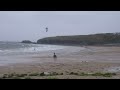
13	52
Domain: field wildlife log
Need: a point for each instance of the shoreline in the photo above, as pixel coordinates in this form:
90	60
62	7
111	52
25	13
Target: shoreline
89	60
78	45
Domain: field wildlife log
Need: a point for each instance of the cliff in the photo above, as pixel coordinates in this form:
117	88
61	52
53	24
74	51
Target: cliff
92	39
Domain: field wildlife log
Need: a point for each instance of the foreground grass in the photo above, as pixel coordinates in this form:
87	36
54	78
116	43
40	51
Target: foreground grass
94	74
50	75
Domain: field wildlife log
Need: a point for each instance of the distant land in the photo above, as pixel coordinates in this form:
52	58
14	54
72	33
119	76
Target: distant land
28	42
92	39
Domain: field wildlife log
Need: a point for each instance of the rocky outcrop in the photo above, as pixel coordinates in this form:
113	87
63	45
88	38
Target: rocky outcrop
26	41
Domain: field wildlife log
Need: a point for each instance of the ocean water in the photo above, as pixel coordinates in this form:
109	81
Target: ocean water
10	50
15	48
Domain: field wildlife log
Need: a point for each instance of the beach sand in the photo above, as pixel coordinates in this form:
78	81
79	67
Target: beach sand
88	59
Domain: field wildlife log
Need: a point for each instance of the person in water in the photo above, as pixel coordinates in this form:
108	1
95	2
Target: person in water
54	56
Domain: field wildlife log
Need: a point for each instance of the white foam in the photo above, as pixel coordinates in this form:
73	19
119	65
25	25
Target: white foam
31	49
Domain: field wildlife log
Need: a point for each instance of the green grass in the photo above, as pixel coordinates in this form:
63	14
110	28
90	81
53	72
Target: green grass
104	74
54	73
73	73
84	74
21	75
34	74
42	74
94	74
16	78
28	76
51	74
13	75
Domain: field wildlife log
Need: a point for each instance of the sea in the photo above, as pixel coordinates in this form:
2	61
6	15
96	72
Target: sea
9	51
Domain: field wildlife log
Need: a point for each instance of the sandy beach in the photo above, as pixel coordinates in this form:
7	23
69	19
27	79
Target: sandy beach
86	59
87	45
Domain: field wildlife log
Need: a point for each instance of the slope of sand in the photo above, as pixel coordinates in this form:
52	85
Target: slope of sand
90	59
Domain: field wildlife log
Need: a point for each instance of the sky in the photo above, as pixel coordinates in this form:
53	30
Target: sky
30	25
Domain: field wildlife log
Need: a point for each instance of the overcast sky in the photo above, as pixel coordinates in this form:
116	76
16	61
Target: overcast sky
30	25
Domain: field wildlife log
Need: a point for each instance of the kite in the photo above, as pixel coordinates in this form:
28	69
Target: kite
46	29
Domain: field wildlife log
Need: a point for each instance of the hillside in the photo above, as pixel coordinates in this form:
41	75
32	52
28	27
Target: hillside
92	39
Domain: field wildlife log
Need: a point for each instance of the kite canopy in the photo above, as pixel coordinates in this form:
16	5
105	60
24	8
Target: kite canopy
46	29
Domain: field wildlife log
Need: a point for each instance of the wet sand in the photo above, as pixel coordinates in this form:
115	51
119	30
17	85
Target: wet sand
88	59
